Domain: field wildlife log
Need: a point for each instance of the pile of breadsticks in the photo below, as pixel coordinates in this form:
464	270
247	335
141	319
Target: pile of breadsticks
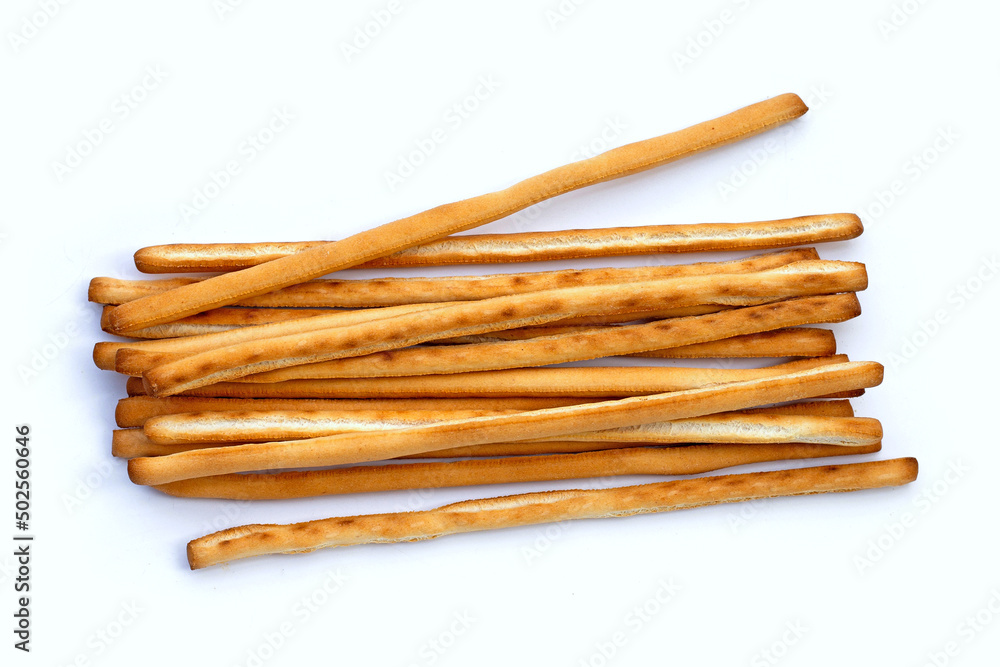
267	381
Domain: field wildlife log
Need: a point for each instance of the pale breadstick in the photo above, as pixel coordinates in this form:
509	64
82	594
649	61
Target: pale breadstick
584	382
544	507
513	470
400	291
574	345
527	246
219	319
229	288
798	279
135	410
535	424
246	427
132	442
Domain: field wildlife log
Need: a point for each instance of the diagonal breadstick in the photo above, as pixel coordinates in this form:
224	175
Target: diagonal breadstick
444	220
545	507
102	288
135	410
400	291
561	348
586	382
798	279
528	246
519	469
246	427
536	424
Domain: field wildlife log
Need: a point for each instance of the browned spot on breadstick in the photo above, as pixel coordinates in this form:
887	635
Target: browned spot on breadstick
545	507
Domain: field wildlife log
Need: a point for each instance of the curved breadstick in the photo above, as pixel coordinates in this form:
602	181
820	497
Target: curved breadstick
545	507
798	279
583	382
536	424
527	246
246	427
399	291
513	470
135	410
444	220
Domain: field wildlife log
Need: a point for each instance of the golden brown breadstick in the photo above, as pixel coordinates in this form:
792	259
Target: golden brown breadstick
795	342
128	443
573	345
399	291
448	219
585	382
105	351
518	469
132	442
246	427
544	507
219	319
527	246
561	348
535	424
463	318
135	410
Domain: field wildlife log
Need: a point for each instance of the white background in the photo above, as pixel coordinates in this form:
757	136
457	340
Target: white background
881	96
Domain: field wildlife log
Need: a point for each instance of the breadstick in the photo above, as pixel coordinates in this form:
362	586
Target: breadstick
561	348
584	382
463	318
135	410
228	288
545	507
105	351
107	288
379	292
219	319
132	442
527	246
246	427
518	469
573	345
792	342
535	424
